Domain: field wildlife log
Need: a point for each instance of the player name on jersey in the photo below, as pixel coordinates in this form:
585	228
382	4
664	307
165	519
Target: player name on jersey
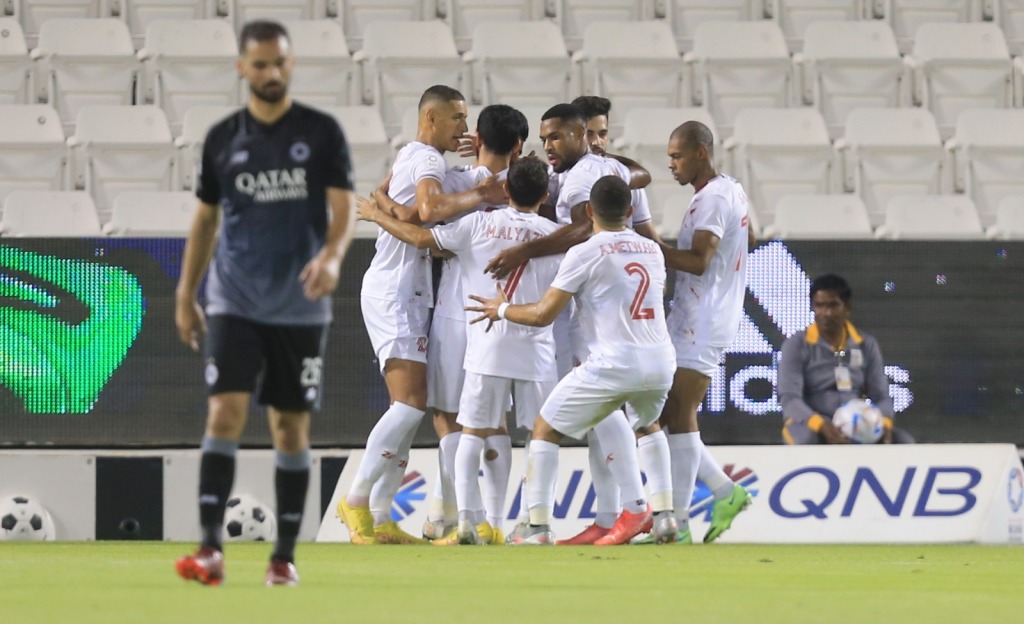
640	247
519	234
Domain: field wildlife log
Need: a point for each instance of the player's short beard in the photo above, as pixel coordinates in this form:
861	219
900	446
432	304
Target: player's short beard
269	98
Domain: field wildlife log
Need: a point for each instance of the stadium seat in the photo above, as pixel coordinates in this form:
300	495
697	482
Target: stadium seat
15	64
887	151
824	217
518	63
324	71
847	65
931	217
465	15
776	152
632	64
84	62
198	121
960	66
151	214
49	214
575	15
33	13
139	13
738	65
685	15
906	16
356	15
1009	223
243	11
672	208
367	142
399	60
33	154
1009	14
189	63
645	139
121	148
987	152
795	16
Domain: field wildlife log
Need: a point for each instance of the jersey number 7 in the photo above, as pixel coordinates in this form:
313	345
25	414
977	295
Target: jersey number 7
513	280
638	312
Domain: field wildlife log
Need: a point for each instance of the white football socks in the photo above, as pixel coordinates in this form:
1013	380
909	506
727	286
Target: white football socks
606	491
712	475
685	452
447	447
382	448
657	462
618	443
497	467
467	480
540	475
382	494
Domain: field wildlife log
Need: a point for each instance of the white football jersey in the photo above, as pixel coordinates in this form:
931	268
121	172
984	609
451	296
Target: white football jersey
708	307
575	184
508	350
618	282
400	272
450	303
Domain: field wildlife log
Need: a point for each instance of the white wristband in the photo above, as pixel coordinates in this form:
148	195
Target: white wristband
501	310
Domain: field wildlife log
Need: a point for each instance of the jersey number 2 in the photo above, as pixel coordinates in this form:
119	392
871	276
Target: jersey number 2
638	312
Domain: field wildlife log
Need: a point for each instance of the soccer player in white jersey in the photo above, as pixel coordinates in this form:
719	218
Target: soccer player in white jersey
509	362
711	262
500	133
618	279
396	300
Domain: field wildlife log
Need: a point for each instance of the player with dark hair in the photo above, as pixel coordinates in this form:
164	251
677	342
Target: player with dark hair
396	298
275	183
826	365
618	279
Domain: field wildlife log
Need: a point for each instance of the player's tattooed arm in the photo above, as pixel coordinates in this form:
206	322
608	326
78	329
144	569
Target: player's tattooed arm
202	240
697	258
433	205
538	314
556	243
368	210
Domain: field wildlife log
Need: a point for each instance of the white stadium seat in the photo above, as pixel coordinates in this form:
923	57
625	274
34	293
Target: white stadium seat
15	64
825	217
847	65
139	13
49	214
1009	14
739	65
121	148
906	16
684	16
152	214
465	15
575	15
189	63
931	217
632	64
795	16
368	144
356	15
960	66
1009	223
33	153
33	13
399	60
672	207
324	71
85	62
198	121
988	157
243	11
777	152
888	151
645	139
518	63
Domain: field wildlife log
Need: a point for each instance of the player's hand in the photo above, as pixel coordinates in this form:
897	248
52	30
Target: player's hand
488	308
190	321
505	262
833	435
320	276
492	191
367	209
469	146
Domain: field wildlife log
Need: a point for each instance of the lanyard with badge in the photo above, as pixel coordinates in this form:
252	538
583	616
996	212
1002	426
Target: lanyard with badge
844	382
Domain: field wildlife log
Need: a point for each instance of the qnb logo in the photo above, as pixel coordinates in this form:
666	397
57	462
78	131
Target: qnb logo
409	493
273	185
777	307
819	492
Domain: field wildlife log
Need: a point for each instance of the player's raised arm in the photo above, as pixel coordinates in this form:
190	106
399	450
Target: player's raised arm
639	176
538	314
433	205
369	210
558	243
696	259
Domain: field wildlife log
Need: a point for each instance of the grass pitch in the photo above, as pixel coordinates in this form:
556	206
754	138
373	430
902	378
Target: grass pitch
105	582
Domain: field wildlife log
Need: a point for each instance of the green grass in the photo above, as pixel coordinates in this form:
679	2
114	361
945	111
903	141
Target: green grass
107	582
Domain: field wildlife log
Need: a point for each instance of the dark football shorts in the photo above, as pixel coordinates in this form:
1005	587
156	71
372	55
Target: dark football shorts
282	363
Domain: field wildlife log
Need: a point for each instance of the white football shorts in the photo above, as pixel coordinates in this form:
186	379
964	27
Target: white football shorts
397	331
445	363
485	400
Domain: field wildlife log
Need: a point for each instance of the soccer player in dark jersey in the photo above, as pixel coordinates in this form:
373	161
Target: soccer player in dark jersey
275	184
